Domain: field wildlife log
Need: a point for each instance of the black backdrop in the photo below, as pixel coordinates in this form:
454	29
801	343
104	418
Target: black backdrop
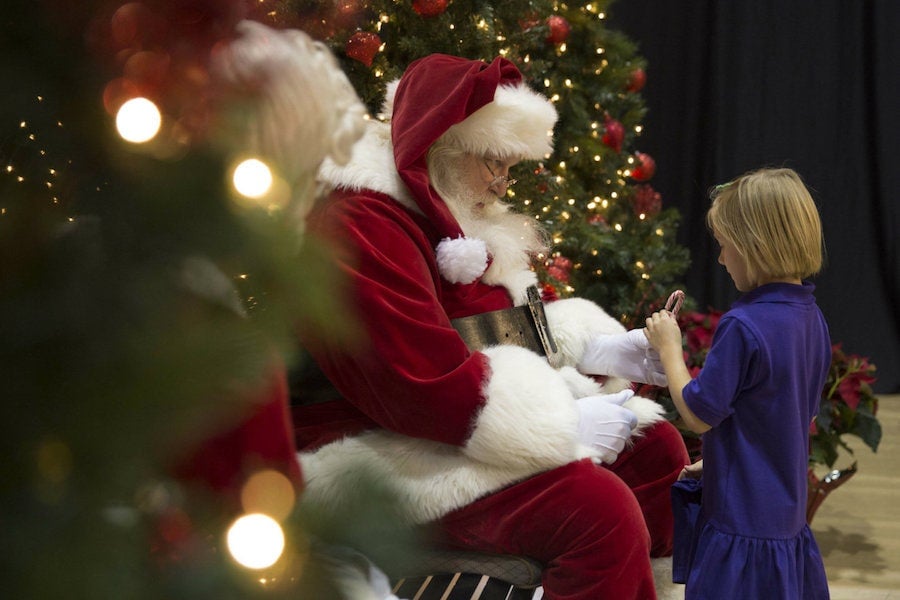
809	84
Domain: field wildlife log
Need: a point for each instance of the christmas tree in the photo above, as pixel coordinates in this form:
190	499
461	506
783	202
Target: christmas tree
612	240
144	298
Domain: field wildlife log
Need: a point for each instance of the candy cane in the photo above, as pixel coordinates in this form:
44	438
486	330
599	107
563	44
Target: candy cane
676	299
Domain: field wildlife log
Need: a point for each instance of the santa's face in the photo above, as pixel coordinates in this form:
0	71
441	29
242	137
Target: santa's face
488	174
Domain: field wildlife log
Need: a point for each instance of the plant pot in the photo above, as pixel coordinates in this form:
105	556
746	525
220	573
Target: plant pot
818	489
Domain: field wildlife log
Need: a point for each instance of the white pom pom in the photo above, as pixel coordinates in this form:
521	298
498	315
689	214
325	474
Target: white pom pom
462	260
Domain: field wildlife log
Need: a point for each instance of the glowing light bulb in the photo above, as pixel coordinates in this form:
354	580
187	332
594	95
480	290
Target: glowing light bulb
255	541
138	120
252	178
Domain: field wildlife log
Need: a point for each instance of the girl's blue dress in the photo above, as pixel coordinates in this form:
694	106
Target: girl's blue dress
759	389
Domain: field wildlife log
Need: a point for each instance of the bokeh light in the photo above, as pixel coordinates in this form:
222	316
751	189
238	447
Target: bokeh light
252	178
255	541
268	492
138	120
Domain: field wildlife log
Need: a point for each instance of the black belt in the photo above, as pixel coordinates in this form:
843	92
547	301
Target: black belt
524	326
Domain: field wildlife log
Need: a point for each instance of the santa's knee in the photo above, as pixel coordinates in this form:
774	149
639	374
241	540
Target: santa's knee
668	444
600	509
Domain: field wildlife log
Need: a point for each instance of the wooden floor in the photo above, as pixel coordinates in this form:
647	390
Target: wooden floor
858	525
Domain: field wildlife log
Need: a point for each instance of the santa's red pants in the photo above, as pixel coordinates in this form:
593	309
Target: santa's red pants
593	528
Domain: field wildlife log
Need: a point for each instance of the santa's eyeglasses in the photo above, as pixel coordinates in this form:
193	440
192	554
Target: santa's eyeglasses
497	179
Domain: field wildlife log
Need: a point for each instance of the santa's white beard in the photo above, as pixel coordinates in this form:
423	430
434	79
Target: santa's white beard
512	239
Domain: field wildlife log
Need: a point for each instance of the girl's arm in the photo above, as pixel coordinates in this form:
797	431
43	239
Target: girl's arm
665	336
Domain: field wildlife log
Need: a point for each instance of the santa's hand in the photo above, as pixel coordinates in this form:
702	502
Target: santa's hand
627	355
604	424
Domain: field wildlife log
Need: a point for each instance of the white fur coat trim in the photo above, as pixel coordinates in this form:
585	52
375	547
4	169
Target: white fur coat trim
574	322
527	426
429	479
371	167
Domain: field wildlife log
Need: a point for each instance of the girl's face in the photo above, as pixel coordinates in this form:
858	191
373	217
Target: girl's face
734	263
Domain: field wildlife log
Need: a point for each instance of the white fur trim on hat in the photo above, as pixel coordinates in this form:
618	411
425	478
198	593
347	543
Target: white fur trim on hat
517	123
462	260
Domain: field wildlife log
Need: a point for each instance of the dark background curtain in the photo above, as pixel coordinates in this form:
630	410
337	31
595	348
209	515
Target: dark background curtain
813	85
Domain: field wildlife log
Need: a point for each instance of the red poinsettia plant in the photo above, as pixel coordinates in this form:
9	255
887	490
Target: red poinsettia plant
848	408
848	405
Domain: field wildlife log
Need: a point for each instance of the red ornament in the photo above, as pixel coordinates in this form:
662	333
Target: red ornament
637	80
613	134
362	46
560	268
429	8
645	168
599	220
549	293
559	29
646	201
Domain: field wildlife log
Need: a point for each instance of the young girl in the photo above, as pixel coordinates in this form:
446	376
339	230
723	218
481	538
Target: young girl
756	395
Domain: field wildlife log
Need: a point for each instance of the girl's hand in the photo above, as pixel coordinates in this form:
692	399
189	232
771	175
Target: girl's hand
662	331
693	471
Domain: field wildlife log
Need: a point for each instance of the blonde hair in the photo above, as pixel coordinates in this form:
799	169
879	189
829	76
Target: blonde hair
772	220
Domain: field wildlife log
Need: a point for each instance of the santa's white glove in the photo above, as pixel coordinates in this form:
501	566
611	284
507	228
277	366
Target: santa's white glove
604	424
627	355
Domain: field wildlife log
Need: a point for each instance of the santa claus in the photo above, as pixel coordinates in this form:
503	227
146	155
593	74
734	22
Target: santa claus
504	442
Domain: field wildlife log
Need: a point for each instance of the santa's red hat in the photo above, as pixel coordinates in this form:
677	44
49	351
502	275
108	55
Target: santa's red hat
483	108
